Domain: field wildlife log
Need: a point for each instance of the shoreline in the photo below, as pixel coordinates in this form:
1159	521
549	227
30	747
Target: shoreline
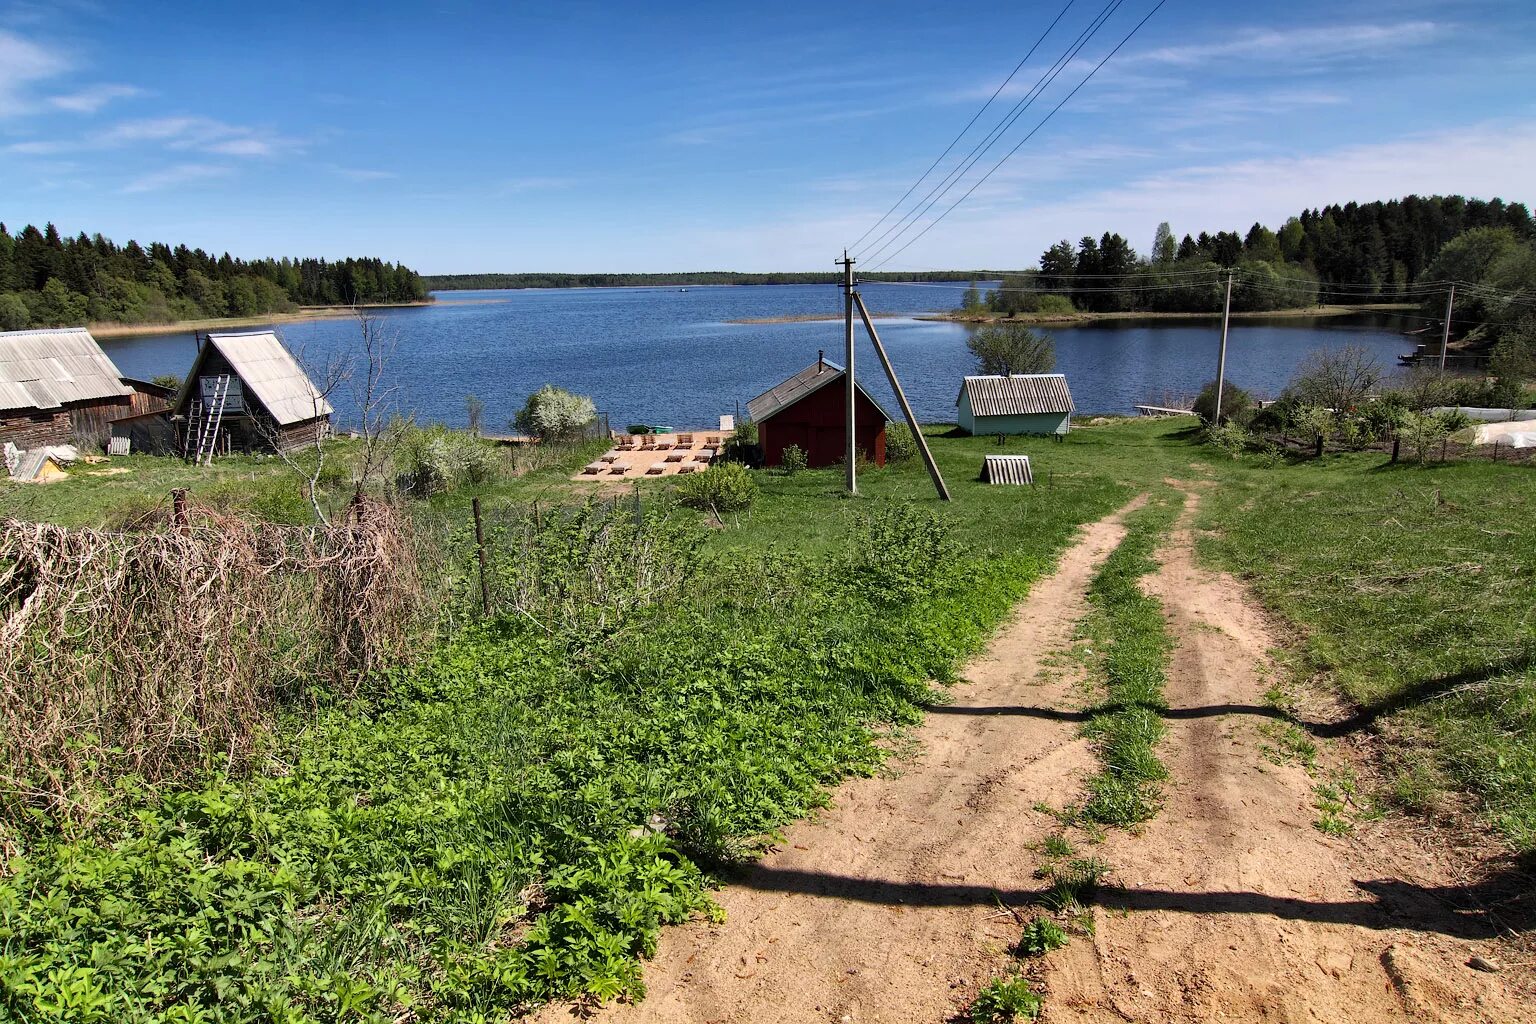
303	314
813	318
1073	319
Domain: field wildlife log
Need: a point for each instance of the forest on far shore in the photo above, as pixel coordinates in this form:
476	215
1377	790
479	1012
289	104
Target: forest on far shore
50	281
1378	252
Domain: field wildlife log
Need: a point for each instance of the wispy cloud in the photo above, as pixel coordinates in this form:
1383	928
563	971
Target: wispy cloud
175	133
512	186
23	63
173	177
1295	44
361	173
90	100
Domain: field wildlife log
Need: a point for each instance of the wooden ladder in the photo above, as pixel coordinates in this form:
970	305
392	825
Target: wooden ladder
208	435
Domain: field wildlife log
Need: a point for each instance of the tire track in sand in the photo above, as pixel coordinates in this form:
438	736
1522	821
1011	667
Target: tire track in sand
885	908
1233	907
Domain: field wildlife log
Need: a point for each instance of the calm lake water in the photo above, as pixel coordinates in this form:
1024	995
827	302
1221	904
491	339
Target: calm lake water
665	355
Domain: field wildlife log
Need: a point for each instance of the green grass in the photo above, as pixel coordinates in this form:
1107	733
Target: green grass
1412	586
1126	629
518	817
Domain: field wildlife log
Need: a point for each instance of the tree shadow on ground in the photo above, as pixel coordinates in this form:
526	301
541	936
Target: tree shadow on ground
1503	901
1363	718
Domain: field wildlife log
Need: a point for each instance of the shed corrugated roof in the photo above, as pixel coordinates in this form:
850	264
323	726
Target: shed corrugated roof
1022	394
272	374
45	369
809	380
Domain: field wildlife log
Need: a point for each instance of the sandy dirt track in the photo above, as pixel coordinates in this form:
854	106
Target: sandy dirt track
904	897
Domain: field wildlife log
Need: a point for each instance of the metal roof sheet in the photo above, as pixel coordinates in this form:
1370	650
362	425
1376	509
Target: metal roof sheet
273	375
808	381
1022	394
47	368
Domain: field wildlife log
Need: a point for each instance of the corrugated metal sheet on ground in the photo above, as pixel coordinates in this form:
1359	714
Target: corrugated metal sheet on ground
1018	395
273	375
44	369
1007	469
808	381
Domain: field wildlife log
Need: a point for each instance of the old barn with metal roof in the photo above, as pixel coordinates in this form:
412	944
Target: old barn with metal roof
805	410
1022	403
55	384
246	392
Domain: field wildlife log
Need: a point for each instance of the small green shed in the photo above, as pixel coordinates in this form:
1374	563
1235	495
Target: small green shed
1022	403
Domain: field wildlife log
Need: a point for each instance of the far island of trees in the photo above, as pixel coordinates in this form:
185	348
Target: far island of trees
1381	252
463	282
50	281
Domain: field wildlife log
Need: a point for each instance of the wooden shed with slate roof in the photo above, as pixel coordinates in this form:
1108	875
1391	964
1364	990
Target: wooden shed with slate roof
246	392
806	410
1022	403
57	383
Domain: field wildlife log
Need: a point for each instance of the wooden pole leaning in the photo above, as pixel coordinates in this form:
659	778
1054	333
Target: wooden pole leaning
1221	357
901	399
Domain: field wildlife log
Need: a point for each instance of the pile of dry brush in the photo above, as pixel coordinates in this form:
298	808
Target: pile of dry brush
150	649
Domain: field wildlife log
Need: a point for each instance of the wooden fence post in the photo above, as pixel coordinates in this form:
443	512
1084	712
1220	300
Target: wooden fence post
485	586
1396	443
1317	449
179	507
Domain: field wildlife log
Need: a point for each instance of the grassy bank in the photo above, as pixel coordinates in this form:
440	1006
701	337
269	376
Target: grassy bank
1068	319
303	314
1411	586
515	818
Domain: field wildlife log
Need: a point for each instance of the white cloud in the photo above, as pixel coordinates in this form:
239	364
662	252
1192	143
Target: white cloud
178	133
171	177
362	173
88	101
22	63
1295	44
1003	230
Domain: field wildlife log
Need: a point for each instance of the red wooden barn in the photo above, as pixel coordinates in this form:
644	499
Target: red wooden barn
806	410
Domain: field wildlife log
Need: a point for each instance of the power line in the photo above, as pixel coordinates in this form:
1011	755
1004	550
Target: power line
981	148
1086	79
921	178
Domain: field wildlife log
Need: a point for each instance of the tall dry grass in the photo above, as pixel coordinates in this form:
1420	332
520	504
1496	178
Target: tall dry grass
148	650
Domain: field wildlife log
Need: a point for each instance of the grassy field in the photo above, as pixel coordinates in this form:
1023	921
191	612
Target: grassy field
514	818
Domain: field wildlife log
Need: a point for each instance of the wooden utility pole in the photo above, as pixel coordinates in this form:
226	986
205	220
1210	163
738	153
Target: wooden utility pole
901	399
1221	357
1445	336
850	456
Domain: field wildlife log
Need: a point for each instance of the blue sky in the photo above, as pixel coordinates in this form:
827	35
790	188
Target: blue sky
462	137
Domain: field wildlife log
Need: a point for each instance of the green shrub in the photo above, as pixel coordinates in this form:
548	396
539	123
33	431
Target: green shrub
1236	404
900	446
899	553
723	487
1232	439
793	459
1041	936
555	414
1054	305
433	460
1006	999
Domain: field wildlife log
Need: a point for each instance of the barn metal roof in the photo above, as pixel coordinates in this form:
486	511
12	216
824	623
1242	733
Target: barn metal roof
46	369
1022	394
270	372
808	381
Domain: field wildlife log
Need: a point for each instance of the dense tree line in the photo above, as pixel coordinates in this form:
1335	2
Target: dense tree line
464	282
49	281
1372	252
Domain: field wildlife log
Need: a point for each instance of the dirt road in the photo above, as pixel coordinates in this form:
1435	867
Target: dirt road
900	901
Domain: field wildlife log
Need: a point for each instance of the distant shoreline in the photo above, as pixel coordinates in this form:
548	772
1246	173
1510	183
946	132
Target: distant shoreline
302	315
1072	319
808	318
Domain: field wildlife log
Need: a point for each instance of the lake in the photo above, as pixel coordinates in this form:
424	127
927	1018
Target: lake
670	355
